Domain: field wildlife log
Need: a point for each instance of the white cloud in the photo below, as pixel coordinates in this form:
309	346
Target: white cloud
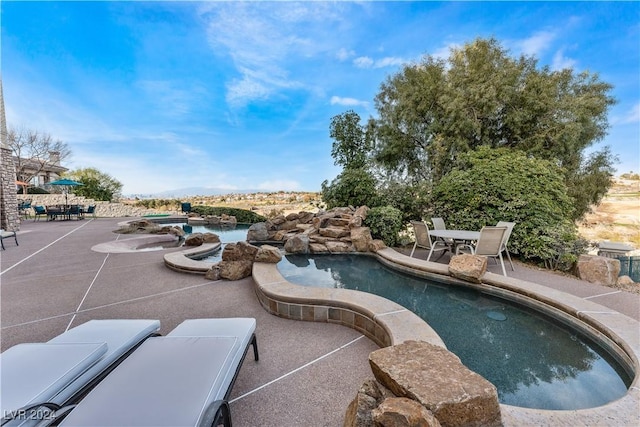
366	62
633	116
537	43
348	102
344	54
561	62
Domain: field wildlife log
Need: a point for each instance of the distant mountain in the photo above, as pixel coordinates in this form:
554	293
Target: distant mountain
190	192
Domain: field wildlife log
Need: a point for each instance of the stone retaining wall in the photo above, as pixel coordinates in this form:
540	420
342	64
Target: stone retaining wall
103	209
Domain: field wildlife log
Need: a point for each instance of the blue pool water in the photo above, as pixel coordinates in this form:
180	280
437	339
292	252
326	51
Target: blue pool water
533	361
227	235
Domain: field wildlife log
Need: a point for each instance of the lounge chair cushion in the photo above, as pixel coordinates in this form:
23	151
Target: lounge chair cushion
59	370
34	373
171	380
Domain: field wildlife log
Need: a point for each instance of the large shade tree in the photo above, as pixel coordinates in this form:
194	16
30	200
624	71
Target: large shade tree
96	185
431	112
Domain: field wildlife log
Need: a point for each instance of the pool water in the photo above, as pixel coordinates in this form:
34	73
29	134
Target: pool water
533	361
226	234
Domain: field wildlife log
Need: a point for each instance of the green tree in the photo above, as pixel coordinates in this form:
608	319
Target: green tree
355	185
491	185
433	111
96	185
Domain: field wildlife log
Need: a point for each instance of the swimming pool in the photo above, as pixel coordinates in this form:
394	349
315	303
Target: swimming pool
534	361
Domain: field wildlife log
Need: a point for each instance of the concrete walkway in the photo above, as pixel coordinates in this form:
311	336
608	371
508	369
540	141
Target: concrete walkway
308	372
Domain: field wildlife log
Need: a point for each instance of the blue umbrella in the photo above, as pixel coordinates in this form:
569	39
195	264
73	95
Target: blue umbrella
66	182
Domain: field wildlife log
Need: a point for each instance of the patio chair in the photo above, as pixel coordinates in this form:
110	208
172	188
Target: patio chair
438	224
507	235
91	210
39	211
182	379
489	244
423	240
38	378
4	234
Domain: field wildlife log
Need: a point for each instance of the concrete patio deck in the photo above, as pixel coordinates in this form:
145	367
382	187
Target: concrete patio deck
308	372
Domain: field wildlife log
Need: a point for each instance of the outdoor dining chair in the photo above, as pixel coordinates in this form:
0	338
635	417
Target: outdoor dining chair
505	241
39	211
423	240
489	244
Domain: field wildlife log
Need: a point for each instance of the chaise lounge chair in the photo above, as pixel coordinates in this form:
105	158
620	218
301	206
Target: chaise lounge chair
38	378
182	379
4	234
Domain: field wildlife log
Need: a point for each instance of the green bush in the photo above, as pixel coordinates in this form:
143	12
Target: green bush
353	187
385	223
242	215
491	185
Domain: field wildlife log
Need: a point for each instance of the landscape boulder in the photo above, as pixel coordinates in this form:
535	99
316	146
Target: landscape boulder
258	232
437	379
235	270
210	238
240	251
468	267
369	396
403	412
267	253
195	239
361	238
599	270
298	244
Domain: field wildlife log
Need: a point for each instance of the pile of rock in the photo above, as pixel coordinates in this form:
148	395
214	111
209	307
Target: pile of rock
421	384
338	230
223	220
144	226
238	258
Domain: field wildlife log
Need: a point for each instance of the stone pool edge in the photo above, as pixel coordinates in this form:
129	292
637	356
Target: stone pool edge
388	323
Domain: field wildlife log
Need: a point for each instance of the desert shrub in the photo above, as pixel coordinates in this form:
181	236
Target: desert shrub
158	203
242	215
385	223
490	185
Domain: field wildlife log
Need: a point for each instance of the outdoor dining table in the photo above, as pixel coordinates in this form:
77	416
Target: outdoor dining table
459	237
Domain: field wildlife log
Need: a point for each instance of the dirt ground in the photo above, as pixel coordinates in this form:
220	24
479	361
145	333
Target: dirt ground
617	218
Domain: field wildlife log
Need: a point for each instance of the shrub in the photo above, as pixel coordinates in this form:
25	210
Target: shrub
242	215
353	187
385	223
492	185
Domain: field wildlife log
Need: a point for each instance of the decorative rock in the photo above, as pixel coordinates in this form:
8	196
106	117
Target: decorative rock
213	273
598	270
267	253
318	248
289	225
292	217
195	239
468	267
210	238
258	232
403	412
235	270
369	396
334	232
338	222
361	212
625	281
376	245
240	251
361	238
176	231
435	378
339	247
297	244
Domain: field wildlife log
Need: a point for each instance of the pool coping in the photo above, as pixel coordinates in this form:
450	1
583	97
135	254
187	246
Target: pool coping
388	323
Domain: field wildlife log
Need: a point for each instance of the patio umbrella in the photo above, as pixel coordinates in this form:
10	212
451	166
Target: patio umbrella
67	183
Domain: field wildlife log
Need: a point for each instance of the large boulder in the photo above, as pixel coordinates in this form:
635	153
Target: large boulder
258	232
267	253
298	244
369	396
240	251
339	247
210	238
195	239
599	270
437	379
468	267
361	238
403	412
334	232
235	270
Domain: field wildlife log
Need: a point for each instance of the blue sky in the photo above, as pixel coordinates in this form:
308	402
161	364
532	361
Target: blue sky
168	95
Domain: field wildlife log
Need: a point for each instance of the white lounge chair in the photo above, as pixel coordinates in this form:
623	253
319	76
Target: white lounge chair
423	240
182	379
489	244
38	378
